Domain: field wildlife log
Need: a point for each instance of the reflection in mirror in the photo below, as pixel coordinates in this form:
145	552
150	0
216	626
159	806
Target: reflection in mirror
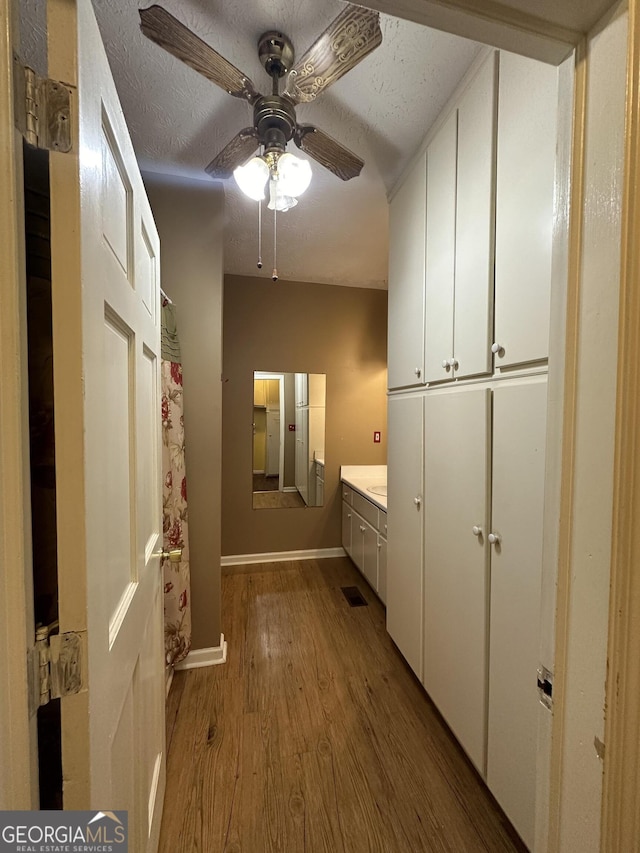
288	439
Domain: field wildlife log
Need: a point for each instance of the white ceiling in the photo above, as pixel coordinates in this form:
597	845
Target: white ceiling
381	109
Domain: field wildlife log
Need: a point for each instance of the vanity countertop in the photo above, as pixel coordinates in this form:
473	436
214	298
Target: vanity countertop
363	478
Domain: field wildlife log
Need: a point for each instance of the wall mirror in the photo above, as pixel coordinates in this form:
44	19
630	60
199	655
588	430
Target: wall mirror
288	439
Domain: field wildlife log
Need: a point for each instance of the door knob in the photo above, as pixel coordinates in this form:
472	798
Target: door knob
494	538
174	556
477	531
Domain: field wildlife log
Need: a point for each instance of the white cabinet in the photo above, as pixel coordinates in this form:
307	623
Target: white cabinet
405	527
407	215
347	514
441	249
527	130
473	304
459	244
519	429
363	528
455	584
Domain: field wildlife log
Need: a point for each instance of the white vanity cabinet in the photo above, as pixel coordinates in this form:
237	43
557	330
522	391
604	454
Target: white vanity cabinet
407	230
364	528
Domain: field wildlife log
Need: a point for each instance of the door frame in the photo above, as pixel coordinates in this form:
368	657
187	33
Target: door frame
18	735
261	374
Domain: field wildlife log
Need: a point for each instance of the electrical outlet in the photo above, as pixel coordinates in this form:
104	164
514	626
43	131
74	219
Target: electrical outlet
376	437
292	427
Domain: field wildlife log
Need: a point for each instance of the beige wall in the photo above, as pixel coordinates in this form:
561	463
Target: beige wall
311	328
189	216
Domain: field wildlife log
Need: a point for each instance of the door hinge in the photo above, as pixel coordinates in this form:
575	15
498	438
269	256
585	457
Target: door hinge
42	109
545	686
54	665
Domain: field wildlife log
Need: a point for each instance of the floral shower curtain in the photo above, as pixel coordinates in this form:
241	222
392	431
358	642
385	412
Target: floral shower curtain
177	590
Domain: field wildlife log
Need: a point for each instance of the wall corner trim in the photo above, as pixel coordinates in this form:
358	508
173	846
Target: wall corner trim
281	556
205	657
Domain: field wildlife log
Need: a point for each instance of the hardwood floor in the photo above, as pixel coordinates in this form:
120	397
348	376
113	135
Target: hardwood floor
315	736
277	500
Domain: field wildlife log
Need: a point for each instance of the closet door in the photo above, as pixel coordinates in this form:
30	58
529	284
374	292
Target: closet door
519	426
455	592
407	215
527	133
473	303
405	527
441	249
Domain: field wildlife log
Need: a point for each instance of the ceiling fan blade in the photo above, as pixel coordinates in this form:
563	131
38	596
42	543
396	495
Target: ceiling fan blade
328	152
351	37
234	153
162	28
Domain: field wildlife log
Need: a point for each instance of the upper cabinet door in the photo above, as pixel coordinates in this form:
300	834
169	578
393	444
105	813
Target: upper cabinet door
406	279
441	251
527	125
473	315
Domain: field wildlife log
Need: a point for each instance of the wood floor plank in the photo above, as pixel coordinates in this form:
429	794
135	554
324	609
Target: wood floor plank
316	737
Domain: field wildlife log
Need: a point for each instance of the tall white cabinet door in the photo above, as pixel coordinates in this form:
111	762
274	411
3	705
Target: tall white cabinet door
527	132
405	527
519	426
407	216
441	250
455	592
473	315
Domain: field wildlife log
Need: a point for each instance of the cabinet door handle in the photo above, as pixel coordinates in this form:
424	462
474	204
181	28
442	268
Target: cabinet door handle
417	501
418	372
497	349
348	515
477	531
445	363
494	538
363	529
454	363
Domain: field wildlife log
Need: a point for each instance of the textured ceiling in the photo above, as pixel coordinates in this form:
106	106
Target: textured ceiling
380	110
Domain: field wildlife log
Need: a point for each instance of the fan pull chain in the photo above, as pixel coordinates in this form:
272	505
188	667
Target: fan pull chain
259	265
274	274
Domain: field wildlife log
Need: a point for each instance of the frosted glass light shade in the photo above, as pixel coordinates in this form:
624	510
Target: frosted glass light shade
294	174
278	200
252	178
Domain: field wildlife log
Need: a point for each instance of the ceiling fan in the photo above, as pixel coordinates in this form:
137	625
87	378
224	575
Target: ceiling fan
346	41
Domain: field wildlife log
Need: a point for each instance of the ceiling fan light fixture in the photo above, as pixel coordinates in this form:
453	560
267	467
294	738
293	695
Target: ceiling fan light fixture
252	178
294	174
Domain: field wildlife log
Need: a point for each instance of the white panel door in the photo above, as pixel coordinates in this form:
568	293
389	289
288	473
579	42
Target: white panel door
519	428
473	314
369	553
347	515
527	135
407	224
405	527
106	336
272	464
441	251
456	586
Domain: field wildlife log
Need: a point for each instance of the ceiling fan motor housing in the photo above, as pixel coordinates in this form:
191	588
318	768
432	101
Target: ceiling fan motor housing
274	118
276	53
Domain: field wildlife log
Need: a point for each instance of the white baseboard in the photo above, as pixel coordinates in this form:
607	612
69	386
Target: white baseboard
281	556
205	657
258	471
289	489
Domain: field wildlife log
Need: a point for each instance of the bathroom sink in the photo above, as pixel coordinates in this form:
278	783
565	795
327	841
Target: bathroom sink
378	490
